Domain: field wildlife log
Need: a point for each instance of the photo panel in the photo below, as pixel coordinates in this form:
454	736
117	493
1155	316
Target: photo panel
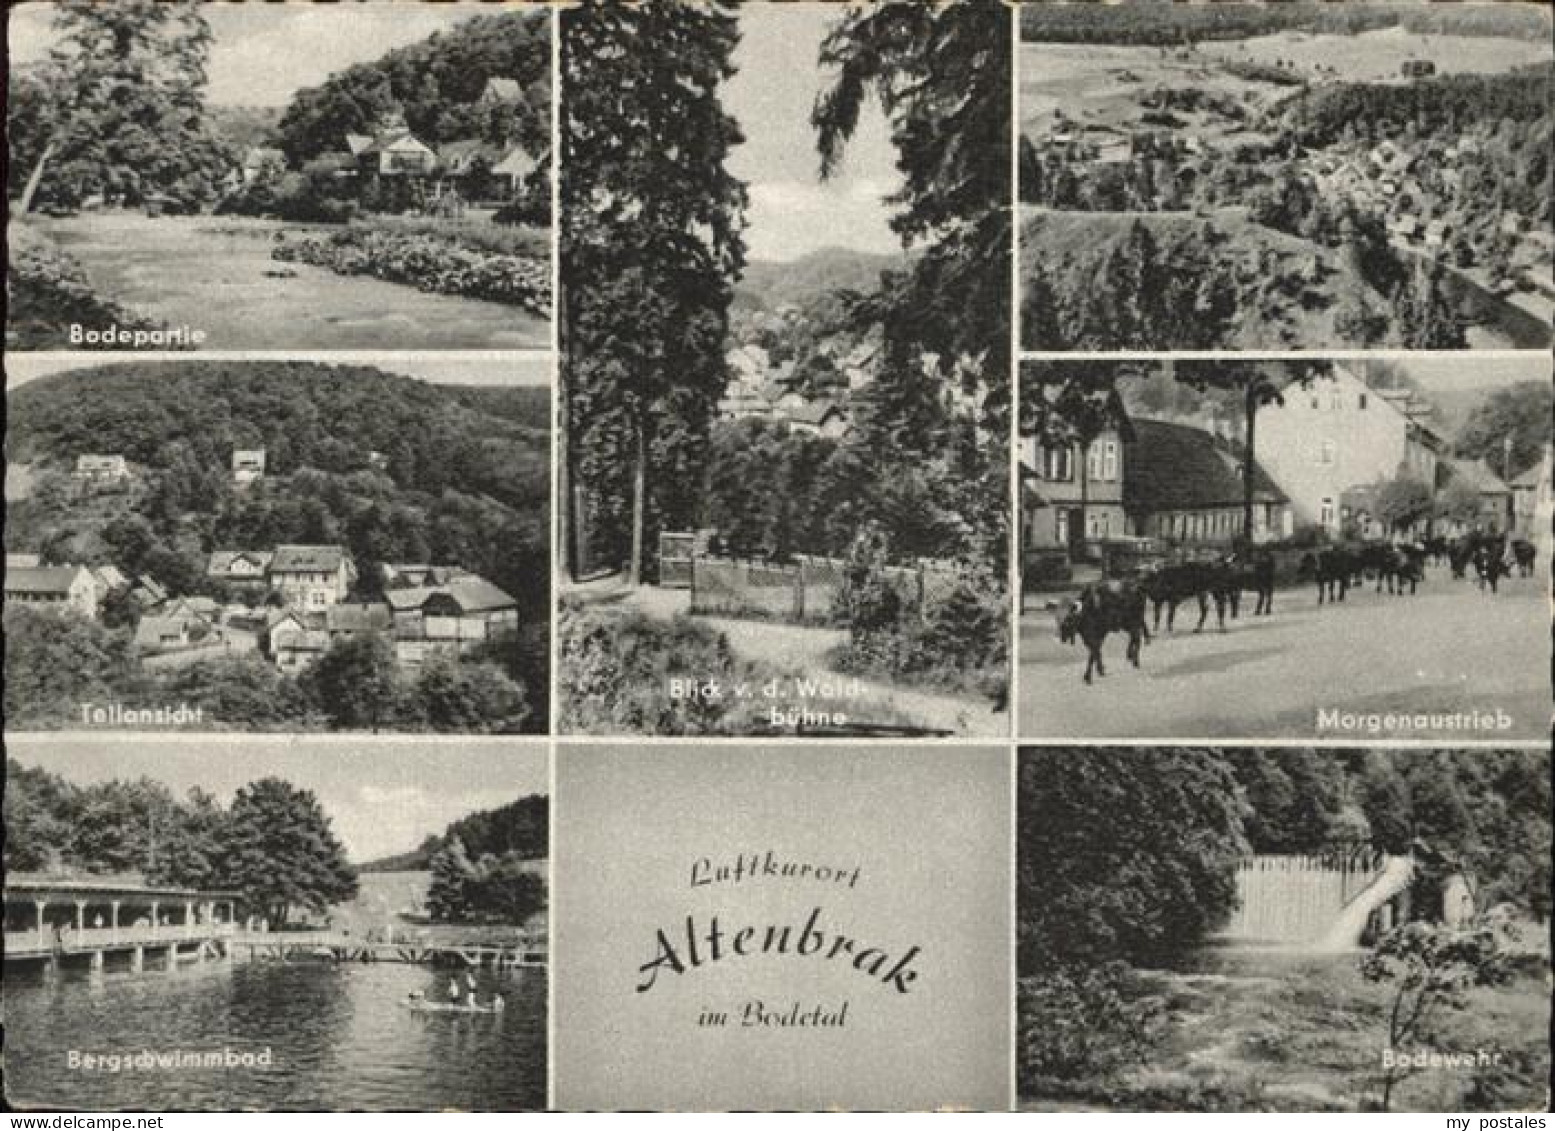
1242	176
311	924
791	927
357	176
1283	929
785	472
1252	549
297	545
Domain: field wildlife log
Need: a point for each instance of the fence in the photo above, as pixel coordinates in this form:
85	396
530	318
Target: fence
1296	898
805	591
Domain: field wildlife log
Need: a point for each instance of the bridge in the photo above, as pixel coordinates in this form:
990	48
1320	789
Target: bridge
523	950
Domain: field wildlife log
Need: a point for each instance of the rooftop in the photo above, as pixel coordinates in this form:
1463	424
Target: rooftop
1175	466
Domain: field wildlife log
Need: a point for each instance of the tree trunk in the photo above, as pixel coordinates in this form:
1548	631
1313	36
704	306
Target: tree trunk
25	204
639	497
1249	464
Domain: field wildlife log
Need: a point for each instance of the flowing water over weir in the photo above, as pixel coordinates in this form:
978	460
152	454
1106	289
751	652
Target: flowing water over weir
1297	899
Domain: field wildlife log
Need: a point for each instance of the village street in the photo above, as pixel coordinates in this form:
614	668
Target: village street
1449	648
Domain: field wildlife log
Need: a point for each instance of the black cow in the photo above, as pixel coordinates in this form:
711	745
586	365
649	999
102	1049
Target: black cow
1173	583
1334	569
1524	553
1490	562
1099	609
1254	570
1438	549
1460	553
1408	566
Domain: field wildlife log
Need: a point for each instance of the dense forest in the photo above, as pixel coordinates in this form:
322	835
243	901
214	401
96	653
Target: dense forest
1150	22
273	843
521	827
1124	856
393	469
438	83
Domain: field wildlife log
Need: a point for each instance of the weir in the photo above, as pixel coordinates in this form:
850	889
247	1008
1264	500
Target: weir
524	951
1320	901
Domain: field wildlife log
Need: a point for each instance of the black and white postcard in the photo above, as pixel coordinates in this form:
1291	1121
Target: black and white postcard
279	176
782	927
274	924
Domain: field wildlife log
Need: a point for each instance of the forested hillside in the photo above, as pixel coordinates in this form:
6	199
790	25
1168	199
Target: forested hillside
521	827
393	469
438	83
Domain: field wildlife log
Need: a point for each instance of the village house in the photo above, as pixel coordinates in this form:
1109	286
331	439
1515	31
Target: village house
391	150
1495	497
402	575
819	418
66	587
458	615
311	577
248	464
246	570
1184	485
157	633
101	469
1531	498
294	640
347	620
1072	495
1341	434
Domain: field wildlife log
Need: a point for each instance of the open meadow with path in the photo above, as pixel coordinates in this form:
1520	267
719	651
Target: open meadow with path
1448	648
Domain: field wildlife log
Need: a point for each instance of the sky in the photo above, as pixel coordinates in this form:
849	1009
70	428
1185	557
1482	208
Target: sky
439	369
384	794
1465	371
791	211
263	53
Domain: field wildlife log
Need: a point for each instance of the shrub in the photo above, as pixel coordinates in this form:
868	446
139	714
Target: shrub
431	263
47	292
1083	1025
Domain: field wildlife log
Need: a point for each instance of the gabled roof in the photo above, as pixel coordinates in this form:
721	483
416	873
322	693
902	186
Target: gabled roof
1477	474
152	629
1174	467
23	561
472	594
358	618
358	144
222	561
1530	478
516	162
307	559
42	579
502	90
815	413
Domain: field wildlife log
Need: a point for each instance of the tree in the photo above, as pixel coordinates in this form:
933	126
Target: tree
1123	856
126	104
941	75
452	871
650	249
1519	413
354	681
282	854
1430	967
1404	501
457	696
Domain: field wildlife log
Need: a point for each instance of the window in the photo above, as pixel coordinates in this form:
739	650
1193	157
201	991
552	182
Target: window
1360	402
1061	528
1093	463
1325	454
1058	464
1325	513
1109	461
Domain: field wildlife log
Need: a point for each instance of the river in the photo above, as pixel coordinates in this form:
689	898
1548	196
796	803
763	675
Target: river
338	1034
215	274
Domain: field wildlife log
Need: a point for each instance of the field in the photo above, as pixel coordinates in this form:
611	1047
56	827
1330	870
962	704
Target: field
1379	56
1271	1032
1101	84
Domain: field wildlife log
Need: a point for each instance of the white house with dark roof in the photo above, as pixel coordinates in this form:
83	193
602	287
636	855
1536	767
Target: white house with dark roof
69	587
311	577
248	465
101	469
242	568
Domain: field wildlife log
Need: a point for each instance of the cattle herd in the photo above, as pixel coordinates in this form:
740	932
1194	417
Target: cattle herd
1132	605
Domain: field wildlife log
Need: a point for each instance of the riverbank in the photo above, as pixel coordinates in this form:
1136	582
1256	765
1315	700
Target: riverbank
219	275
47	291
1266	1031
